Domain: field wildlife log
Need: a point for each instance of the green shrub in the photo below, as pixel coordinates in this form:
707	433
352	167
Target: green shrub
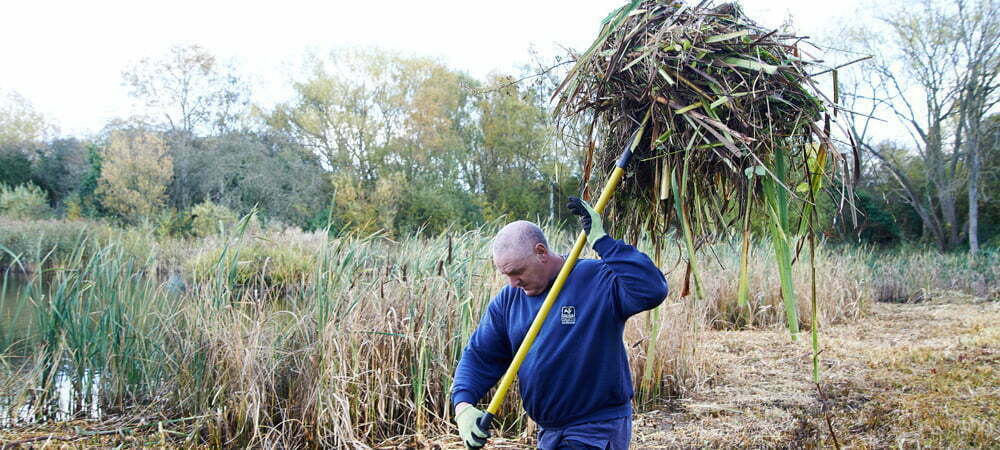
74	207
993	243
255	262
207	218
173	223
432	209
26	201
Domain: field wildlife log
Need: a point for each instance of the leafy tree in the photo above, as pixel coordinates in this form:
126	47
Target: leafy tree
244	170
875	215
990	189
431	208
876	224
379	121
86	197
207	218
191	95
517	146
134	174
437	130
367	210
60	166
22	131
465	154
15	166
353	109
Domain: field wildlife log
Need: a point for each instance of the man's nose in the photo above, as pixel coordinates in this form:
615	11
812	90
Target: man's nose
515	282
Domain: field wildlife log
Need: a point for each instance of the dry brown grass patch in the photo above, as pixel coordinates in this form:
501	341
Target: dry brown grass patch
908	376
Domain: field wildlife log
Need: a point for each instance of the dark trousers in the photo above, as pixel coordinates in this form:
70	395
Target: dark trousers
613	434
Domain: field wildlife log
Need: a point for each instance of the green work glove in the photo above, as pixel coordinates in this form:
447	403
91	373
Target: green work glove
468	429
592	224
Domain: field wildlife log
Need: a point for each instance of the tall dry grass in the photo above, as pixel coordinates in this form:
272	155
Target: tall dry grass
842	287
914	275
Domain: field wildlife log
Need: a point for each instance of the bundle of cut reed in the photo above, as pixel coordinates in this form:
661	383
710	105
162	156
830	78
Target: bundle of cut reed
730	126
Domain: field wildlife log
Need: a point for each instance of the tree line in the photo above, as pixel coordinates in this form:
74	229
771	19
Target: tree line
376	140
371	140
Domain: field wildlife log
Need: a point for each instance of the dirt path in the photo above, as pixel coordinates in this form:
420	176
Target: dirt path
924	375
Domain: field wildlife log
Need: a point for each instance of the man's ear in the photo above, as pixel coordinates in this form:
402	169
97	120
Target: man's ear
540	249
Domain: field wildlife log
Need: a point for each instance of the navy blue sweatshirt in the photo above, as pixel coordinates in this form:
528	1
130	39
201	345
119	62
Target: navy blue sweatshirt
577	370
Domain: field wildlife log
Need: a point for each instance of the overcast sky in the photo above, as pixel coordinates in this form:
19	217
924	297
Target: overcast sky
66	57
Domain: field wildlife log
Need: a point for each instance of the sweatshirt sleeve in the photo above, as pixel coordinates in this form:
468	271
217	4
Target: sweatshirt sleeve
485	358
637	283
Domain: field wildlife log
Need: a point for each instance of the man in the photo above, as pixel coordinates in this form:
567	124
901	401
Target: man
575	383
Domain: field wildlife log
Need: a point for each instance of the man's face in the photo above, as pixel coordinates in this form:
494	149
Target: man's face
525	272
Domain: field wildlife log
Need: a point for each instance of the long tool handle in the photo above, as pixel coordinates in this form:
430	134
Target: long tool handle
486	421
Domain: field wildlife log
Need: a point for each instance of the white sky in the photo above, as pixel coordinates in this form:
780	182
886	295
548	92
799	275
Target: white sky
66	56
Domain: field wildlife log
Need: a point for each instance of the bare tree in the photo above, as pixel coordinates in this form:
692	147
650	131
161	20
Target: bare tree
934	70
20	122
188	89
978	32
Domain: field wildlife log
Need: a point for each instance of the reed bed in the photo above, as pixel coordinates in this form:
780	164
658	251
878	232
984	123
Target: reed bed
359	351
910	275
24	244
843	288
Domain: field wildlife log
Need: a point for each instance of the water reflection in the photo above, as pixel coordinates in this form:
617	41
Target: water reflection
69	402
15	308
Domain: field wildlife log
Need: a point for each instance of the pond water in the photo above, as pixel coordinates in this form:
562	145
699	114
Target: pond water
15	312
16	315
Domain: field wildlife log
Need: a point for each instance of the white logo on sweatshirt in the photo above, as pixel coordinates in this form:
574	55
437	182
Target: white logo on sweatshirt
568	315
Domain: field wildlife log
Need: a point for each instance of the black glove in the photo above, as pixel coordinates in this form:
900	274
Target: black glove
591	221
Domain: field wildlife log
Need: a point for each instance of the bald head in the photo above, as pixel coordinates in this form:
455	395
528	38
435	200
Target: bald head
521	252
518	240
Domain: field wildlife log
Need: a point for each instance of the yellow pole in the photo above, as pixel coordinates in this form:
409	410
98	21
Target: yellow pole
486	420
